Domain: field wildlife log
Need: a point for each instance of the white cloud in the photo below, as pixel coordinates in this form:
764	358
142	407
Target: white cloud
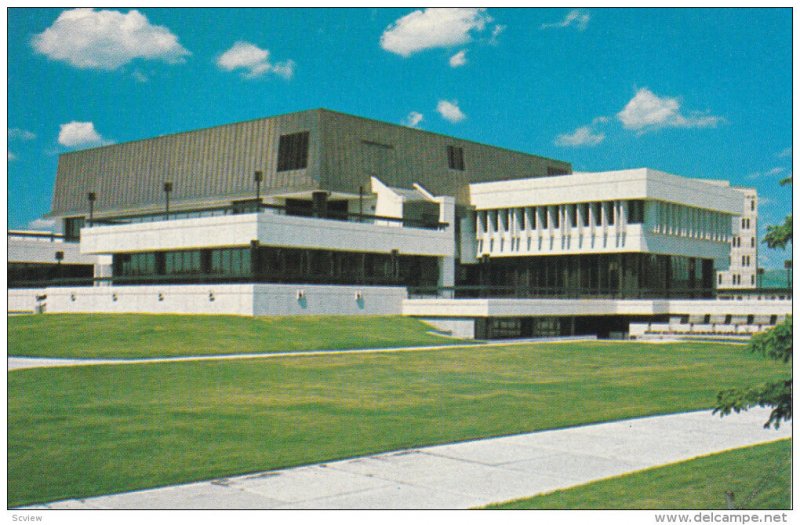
433	27
496	33
20	134
583	136
254	60
574	18
42	225
79	134
459	59
140	77
785	152
777	170
11	157
90	39
413	119
450	111
646	111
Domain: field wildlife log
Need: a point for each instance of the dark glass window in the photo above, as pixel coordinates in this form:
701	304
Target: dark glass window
585	213
455	158
72	228
293	151
551	171
635	212
574	216
609	212
598	217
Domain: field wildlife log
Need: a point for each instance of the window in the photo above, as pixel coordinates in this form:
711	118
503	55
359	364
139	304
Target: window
744	260
293	151
719	279
574	215
635	212
598	217
752	242
556	216
585	213
752	279
455	158
609	206
72	228
752	205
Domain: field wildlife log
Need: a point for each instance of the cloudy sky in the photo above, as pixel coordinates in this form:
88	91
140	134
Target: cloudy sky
701	93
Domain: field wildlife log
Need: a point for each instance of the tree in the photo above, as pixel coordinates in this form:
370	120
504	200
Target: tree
776	344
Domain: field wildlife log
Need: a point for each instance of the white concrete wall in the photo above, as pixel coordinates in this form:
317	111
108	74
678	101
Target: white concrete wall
283	299
235	299
642	183
24	299
33	250
270	229
567	307
179	299
461	328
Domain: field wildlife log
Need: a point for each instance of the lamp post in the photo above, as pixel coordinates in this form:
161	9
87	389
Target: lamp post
59	258
258	177
92	196
167	191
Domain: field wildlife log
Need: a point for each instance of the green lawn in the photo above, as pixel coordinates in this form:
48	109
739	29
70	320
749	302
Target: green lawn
760	477
91	430
136	335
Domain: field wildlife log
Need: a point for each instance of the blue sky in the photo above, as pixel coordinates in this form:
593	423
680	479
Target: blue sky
700	93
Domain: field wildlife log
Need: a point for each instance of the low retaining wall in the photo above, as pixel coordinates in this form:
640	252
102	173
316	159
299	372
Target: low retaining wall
235	299
23	300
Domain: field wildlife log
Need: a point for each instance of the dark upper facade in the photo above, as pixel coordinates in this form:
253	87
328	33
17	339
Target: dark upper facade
297	152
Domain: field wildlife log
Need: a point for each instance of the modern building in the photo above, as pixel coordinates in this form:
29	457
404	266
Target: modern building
321	212
742	272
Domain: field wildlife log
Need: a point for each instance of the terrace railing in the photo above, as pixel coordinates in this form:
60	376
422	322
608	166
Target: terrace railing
38	236
254	207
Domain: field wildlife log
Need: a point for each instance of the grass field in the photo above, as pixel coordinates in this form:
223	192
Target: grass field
75	432
760	477
136	335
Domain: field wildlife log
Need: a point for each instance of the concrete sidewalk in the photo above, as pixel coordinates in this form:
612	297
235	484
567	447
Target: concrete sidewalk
464	475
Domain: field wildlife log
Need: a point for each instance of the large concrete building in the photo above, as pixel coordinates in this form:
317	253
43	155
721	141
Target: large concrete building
321	212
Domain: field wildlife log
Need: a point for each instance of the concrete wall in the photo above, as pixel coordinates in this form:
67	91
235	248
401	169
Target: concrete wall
270	229
642	183
24	299
235	299
283	299
450	308
461	328
43	251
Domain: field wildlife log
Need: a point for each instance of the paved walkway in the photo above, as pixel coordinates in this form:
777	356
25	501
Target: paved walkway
21	363
464	475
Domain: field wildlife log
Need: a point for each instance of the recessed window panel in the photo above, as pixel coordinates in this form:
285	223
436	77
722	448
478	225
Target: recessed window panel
293	151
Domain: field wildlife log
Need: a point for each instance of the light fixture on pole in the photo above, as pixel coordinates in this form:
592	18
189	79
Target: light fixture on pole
258	177
167	191
92	196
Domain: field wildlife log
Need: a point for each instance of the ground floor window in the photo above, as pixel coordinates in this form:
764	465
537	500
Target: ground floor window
276	264
36	275
609	275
